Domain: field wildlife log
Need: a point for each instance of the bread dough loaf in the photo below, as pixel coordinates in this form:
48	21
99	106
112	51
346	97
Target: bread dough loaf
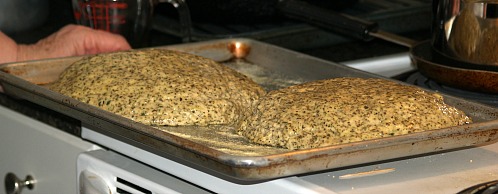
343	110
160	87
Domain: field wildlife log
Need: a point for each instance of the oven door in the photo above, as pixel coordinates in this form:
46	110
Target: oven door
32	148
102	171
120	173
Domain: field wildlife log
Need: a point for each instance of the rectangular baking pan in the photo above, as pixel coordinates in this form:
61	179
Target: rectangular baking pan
25	80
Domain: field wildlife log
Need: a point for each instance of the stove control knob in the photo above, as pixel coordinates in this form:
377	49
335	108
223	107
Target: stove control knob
14	186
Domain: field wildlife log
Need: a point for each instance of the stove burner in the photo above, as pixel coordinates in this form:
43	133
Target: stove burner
396	16
420	80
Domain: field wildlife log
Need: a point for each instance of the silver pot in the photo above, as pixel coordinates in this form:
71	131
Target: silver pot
467	30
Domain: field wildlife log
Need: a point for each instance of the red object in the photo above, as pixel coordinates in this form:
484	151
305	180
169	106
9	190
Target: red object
103	15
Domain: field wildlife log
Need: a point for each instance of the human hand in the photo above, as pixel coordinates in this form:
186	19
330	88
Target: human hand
72	40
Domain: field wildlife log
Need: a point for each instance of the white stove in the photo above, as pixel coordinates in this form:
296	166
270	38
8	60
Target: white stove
95	163
387	66
448	172
62	162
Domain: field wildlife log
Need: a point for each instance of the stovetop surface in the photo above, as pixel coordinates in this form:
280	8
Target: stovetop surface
409	18
448	172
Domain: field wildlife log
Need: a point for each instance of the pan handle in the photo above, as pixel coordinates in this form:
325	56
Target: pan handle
336	22
327	19
183	15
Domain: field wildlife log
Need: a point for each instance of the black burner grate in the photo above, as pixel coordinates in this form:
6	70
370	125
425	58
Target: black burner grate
397	16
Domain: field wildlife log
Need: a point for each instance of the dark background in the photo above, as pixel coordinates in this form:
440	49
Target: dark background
61	14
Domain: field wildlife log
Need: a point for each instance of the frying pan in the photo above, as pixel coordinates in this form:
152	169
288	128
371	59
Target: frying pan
429	62
456	73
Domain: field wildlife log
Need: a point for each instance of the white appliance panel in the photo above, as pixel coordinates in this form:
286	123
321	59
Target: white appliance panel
30	147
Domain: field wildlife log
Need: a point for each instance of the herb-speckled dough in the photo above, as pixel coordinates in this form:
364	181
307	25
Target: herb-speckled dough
342	110
160	87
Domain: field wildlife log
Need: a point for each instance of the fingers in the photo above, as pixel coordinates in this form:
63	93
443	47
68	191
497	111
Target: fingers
8	49
82	40
73	40
101	42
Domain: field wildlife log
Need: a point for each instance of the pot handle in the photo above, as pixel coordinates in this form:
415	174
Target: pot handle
183	15
339	23
327	19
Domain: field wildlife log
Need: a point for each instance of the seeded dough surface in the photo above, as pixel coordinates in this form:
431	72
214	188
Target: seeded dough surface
161	87
342	110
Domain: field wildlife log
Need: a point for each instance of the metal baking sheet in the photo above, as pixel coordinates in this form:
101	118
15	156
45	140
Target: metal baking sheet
280	67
